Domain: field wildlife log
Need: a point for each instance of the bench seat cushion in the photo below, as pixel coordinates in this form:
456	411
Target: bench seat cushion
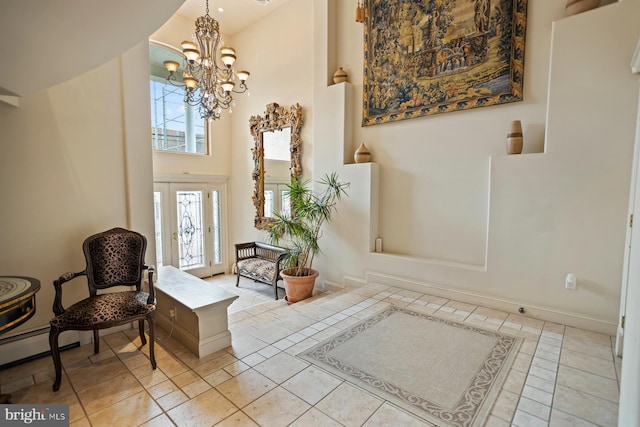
258	269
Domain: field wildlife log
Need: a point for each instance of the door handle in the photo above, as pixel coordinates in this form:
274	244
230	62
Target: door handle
175	236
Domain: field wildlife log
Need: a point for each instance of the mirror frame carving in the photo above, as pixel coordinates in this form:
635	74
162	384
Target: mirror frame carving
275	118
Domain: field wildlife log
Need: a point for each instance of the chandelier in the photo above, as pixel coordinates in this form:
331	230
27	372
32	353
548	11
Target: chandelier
208	77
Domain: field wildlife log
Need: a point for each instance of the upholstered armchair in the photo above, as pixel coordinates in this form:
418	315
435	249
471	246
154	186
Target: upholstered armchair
114	258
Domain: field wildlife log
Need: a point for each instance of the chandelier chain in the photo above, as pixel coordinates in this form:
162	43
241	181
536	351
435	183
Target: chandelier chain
208	74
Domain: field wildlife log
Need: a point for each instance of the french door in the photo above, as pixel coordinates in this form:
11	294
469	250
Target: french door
276	199
189	222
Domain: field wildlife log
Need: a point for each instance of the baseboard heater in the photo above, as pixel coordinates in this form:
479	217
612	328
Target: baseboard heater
24	335
30	346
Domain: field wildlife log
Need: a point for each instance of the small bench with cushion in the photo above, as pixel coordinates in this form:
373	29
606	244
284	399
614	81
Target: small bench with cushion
260	262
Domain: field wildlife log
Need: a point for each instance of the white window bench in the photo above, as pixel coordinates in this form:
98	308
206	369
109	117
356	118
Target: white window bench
201	322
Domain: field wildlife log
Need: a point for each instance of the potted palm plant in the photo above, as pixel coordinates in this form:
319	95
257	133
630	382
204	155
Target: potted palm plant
299	230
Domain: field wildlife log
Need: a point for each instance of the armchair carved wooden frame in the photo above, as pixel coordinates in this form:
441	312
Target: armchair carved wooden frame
114	258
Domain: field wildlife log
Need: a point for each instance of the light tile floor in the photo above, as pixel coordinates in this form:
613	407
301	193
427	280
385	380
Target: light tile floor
562	376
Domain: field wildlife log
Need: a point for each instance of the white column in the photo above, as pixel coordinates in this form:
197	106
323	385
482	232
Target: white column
190	132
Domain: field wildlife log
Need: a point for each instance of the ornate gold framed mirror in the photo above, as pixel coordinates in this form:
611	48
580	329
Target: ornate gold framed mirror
277	157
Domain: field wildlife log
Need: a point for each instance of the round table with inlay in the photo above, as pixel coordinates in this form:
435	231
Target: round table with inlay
17	305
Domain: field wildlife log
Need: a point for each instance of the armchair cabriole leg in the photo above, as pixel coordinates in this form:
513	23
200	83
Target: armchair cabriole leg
96	342
143	339
55	353
152	327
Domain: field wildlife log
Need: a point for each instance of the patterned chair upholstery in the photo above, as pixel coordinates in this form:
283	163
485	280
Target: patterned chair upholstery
260	262
113	258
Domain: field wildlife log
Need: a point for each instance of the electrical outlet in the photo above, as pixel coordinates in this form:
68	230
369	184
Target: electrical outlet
570	282
173	313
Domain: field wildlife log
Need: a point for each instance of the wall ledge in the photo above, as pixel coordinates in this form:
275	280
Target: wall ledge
14	101
433	261
360	164
187	177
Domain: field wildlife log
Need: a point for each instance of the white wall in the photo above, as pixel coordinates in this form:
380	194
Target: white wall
76	160
457	214
434	195
277	50
172	33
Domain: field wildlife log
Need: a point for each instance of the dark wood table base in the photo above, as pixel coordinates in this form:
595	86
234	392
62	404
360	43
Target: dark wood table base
17	305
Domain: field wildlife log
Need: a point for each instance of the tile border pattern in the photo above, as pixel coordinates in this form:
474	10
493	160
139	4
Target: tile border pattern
474	404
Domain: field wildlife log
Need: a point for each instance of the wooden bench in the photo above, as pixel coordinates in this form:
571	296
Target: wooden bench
260	262
200	308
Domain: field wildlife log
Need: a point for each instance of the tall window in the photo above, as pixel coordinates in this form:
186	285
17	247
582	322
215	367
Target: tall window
175	125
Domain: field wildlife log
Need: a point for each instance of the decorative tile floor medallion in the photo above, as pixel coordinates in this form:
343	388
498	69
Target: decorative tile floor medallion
445	372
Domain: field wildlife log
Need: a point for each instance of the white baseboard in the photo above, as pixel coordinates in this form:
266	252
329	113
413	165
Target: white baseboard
355	282
348	282
199	347
214	343
329	286
541	313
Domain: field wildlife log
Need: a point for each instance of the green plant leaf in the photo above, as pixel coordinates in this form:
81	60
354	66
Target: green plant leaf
299	231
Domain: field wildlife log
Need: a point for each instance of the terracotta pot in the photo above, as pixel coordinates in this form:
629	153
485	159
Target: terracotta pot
578	6
298	288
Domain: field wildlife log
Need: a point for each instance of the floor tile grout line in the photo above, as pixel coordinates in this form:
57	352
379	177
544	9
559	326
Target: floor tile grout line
351	313
574	416
520	395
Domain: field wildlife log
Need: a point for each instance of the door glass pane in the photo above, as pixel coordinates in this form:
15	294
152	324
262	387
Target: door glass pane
190	229
157	208
217	240
286	203
268	203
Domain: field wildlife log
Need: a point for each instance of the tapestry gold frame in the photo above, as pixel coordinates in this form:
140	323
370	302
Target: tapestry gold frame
425	57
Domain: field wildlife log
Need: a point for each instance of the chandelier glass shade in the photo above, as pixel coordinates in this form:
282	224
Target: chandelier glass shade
209	76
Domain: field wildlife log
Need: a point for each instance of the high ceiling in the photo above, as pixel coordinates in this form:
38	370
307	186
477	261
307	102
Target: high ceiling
45	43
237	15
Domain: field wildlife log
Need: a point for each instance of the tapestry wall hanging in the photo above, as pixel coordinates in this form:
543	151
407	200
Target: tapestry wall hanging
424	57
